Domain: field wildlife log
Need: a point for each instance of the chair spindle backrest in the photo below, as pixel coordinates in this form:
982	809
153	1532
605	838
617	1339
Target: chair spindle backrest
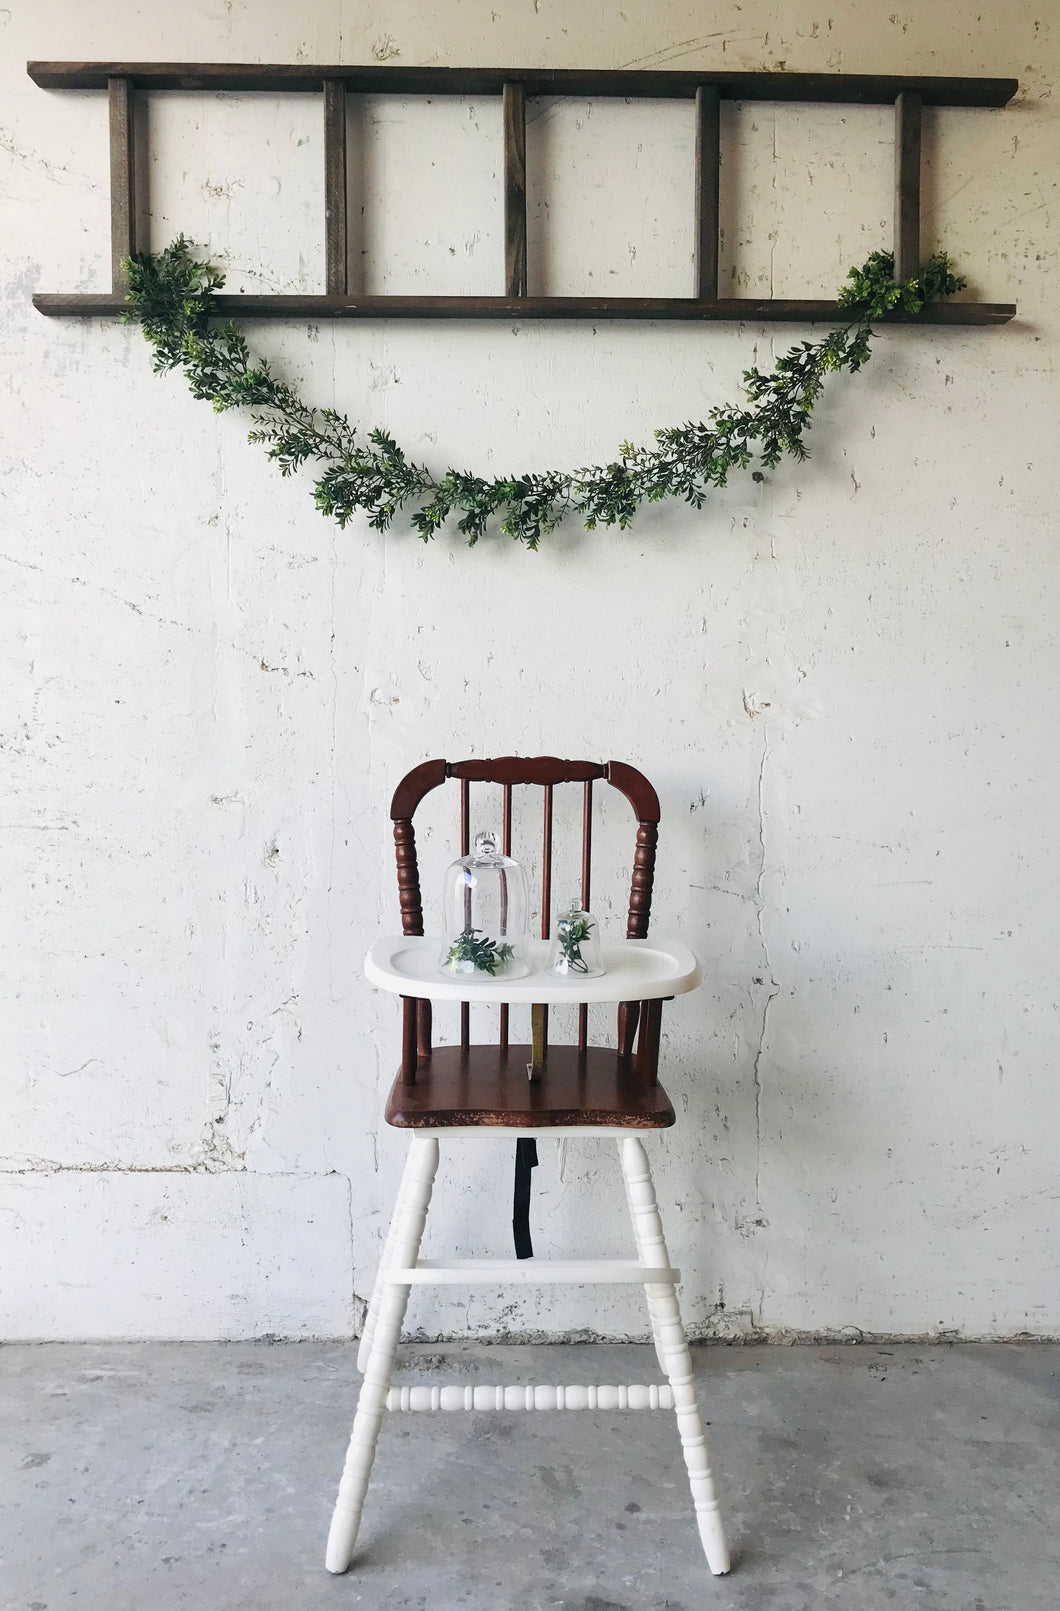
544	771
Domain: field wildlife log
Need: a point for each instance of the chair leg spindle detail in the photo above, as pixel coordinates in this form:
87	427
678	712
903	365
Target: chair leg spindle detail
650	1396
645	1258
385	1263
673	1348
410	1216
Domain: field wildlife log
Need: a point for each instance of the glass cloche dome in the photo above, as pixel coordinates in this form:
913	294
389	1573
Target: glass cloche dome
484	912
576	946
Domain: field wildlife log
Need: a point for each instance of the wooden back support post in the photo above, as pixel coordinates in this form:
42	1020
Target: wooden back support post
416	1023
506	846
586	891
645	802
544	772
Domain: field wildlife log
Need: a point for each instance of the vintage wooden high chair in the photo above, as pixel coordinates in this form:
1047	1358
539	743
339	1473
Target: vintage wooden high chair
524	1092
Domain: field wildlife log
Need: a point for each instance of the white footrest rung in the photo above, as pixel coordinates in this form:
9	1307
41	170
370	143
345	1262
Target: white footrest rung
533	1272
652	1396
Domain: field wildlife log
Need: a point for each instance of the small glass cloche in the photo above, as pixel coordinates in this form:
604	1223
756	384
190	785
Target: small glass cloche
484	913
575	950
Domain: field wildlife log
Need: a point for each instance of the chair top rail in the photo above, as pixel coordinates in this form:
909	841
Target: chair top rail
539	770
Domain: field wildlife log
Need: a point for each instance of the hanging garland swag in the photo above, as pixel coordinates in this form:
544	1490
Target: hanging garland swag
173	298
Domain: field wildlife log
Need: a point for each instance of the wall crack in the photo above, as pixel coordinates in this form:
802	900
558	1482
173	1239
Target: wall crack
767	972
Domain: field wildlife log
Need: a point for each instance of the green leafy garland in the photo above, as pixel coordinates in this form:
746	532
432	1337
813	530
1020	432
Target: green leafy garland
173	297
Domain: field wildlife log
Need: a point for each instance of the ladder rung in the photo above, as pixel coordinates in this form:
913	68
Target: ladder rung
532	1272
650	1396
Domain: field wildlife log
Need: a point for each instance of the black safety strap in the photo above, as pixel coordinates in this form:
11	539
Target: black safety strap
525	1160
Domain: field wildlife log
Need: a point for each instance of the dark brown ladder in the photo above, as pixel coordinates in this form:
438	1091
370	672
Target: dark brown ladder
123	81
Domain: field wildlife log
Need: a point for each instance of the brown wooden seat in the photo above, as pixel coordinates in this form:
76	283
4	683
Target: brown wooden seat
470	1086
488	1085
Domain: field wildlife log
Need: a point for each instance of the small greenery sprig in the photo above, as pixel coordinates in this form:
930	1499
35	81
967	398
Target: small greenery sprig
571	933
486	955
173	295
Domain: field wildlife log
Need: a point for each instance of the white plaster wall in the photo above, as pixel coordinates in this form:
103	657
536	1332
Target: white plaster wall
843	682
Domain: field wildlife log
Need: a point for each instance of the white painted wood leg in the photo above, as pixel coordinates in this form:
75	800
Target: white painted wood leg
410	1216
650	1288
677	1362
372	1314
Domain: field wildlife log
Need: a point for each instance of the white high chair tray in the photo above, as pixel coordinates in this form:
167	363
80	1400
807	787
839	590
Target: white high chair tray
637	970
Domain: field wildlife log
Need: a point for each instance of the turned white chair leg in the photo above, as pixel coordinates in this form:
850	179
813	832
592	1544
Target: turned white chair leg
673	1344
372	1313
649	1290
410	1215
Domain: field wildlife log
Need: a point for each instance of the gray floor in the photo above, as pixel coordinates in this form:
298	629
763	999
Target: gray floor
149	1476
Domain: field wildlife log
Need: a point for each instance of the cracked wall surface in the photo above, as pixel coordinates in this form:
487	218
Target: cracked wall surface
842	681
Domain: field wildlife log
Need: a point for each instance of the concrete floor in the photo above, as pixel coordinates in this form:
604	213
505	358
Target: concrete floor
140	1477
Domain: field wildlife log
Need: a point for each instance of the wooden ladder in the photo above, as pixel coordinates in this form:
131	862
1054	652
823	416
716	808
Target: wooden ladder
123	81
